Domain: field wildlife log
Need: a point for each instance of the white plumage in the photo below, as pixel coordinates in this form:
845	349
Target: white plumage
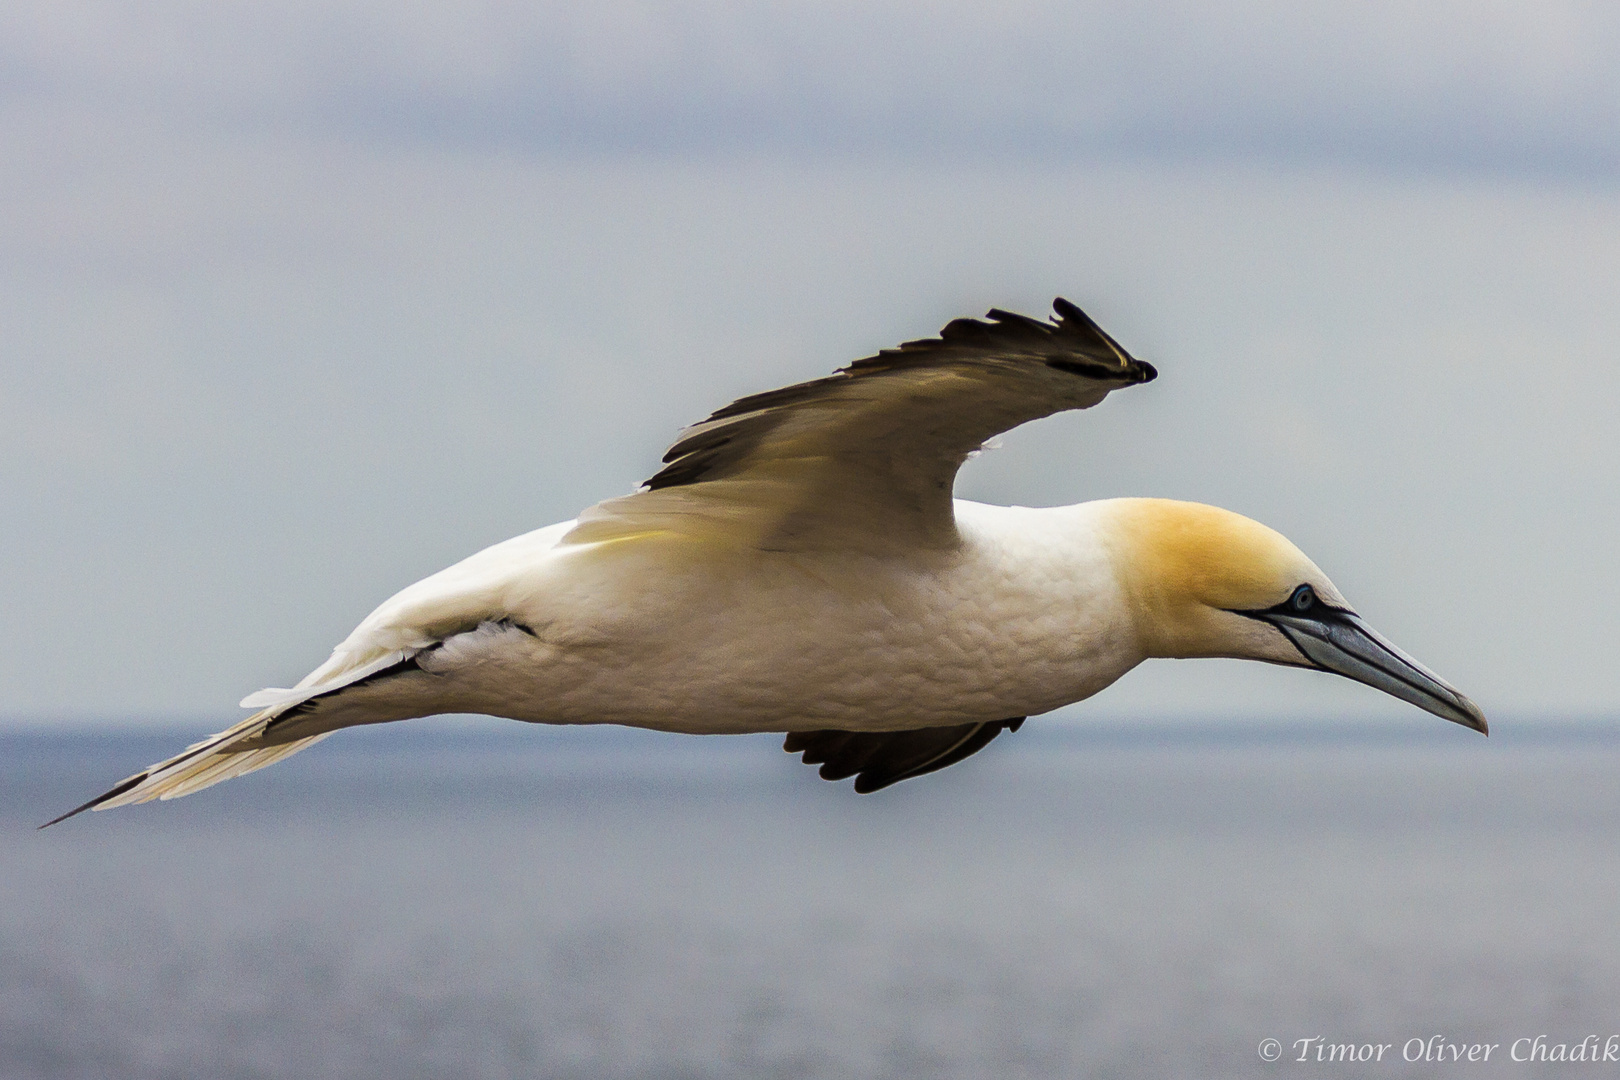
800	566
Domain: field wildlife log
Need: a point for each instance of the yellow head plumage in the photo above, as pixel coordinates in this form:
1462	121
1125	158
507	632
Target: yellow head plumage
1187	568
1202	581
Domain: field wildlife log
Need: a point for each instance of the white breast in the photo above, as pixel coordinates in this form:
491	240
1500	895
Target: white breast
684	636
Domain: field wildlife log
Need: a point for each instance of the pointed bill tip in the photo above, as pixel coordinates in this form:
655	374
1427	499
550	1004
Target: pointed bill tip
1455	706
1472	716
1338	640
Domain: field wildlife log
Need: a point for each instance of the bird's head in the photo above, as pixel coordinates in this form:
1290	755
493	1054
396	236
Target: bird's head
1203	581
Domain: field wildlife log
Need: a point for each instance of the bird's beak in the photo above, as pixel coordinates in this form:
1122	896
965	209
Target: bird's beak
1340	642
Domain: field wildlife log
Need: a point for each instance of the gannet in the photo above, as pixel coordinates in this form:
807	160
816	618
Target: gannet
799	566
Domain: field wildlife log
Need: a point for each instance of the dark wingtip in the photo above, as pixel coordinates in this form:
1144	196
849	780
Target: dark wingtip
71	813
1069	312
98	800
1070	317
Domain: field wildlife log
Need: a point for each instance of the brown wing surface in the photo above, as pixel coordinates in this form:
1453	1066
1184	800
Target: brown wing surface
865	459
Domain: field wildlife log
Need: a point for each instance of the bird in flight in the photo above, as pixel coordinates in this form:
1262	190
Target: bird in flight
799	565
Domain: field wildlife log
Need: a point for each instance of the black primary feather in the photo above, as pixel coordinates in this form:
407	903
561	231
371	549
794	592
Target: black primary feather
1071	343
879	758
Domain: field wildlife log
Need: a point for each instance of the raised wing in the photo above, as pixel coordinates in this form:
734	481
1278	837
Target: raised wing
865	459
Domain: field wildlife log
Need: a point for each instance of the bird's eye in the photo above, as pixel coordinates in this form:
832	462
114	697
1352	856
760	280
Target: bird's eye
1304	598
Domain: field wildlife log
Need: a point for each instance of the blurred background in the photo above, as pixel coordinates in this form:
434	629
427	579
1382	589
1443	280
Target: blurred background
301	302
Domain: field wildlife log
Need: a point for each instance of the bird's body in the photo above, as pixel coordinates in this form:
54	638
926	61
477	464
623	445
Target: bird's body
800	566
671	633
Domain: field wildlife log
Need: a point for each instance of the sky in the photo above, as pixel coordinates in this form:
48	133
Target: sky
301	302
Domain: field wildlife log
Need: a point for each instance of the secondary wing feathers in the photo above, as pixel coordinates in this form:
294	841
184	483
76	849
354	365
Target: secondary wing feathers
865	459
229	753
200	765
457	600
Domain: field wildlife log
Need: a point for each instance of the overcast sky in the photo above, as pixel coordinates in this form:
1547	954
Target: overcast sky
1485	84
300	302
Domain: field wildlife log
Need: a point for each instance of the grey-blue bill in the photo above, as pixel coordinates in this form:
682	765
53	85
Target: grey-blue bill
1339	641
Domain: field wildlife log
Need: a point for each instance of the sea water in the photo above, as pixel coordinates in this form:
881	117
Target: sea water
1075	901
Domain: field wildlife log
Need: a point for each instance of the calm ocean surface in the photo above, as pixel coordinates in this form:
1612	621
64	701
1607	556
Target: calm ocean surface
1074	902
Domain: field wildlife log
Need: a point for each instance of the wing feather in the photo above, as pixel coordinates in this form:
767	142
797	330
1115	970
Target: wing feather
865	459
879	758
237	751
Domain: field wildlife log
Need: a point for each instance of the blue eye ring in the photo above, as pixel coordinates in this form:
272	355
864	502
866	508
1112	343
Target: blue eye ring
1304	599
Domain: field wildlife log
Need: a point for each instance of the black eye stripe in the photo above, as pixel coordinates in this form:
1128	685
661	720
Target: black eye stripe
1302	603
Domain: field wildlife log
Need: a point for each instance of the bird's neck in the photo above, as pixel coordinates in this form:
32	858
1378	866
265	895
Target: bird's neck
1055	573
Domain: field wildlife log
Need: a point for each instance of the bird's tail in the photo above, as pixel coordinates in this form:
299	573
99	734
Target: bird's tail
202	764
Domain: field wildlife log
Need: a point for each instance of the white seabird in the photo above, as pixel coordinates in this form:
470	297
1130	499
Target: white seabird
800	566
